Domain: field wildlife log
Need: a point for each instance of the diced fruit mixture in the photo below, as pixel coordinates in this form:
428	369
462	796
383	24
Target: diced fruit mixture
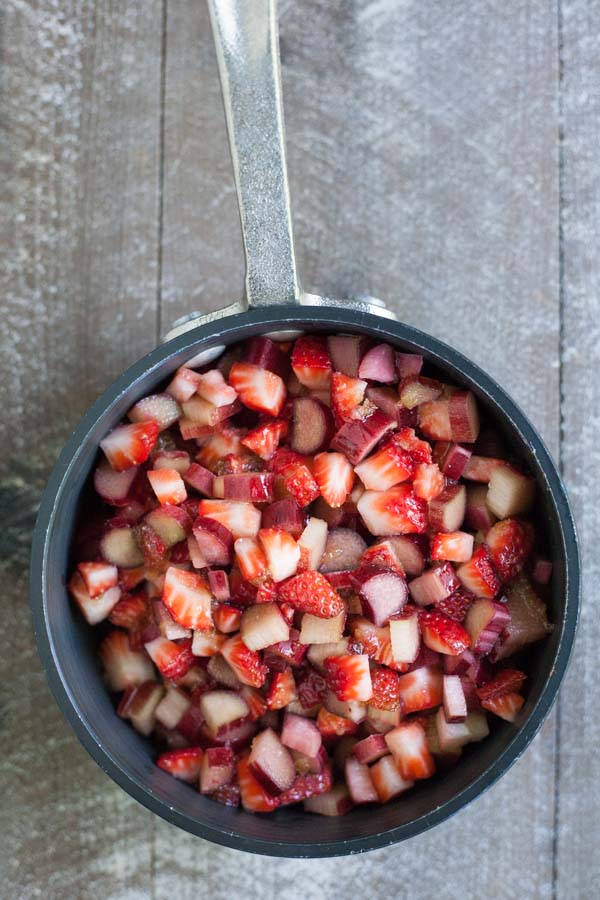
314	568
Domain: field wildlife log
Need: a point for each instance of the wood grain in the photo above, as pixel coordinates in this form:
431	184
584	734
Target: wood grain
423	151
578	814
80	162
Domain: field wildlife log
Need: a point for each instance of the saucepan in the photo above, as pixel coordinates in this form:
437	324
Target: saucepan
246	39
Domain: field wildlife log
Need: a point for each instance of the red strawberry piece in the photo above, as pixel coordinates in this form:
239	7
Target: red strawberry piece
250	560
306	786
506	681
386	694
240	518
456	546
267	592
172	659
347	394
168	486
510	542
455	606
420	689
442	634
311	687
255	700
183	764
130	445
428	482
382	554
253	796
217	446
311	592
98	577
129	579
227	794
334	476
131	612
373	640
506	706
386	467
188	599
227	618
265	439
357	437
331	725
246	664
349	677
396	511
282	689
418	449
297	476
258	388
387	780
310	362
478	575
408	746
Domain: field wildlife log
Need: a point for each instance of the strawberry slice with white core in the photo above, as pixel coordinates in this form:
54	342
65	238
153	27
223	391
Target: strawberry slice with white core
227	618
428	481
478	575
405	636
171	659
188	599
386	467
265	439
318	653
253	796
168	486
282	553
124	667
183	764
387	779
220	708
334	476
455	546
167	625
442	634
130	445
510	493
263	625
160	408
98	577
246	663
271	763
258	388
311	363
250	559
311	592
360	784
207	643
396	511
312	543
213	387
510	542
94	609
282	690
241	519
408	746
349	677
420	689
347	394
506	707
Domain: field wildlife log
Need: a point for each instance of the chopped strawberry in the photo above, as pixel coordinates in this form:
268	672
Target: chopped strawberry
98	577
349	677
347	394
331	725
168	486
207	643
213	387
506	681
428	482
311	363
455	606
250	560
418	449
311	592
478	575
265	439
253	796
183	764
442	634
334	476
386	467
387	780
456	546
373	640
382	554
246	664
306	786
386	694
506	706
396	511
130	445
258	388
408	746
510	542
282	689
131	612
227	618
255	700
298	478
240	518
188	599
124	667
282	552
219	445
420	689
172	659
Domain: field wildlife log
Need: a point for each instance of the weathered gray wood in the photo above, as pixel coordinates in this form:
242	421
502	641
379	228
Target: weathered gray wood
577	863
423	160
80	216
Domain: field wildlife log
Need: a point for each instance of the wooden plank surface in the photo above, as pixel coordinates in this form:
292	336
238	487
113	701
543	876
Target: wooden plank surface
423	151
578	814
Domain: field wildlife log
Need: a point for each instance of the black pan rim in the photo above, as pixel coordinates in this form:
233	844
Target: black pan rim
290	317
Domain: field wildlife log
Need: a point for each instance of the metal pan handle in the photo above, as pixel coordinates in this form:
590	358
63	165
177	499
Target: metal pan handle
247	44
